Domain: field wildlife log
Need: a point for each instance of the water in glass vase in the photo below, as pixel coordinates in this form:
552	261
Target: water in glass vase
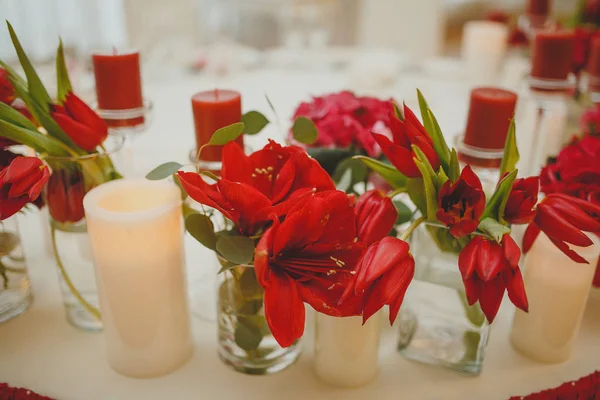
245	341
436	324
15	292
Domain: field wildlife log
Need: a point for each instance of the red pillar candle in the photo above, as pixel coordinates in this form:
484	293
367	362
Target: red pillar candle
593	67
538	8
215	109
552	54
490	112
118	84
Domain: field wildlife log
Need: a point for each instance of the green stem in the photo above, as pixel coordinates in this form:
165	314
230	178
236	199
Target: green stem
412	227
88	307
396	192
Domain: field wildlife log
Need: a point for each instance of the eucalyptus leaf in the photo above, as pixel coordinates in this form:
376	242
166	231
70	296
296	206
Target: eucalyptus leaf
404	212
497	203
249	284
202	229
254	122
62	75
226	134
511	156
390	174
305	131
163	171
247	335
494	228
237	249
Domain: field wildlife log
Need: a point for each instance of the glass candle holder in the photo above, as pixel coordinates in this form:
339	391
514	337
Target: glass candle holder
346	351
136	236
557	289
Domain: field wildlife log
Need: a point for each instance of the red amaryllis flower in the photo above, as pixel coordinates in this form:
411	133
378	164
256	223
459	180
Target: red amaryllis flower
521	201
276	171
382	277
488	269
80	123
64	195
309	257
344	119
461	203
406	133
7	92
376	215
21	183
564	219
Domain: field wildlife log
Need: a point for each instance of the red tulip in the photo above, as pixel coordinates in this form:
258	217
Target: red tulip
521	201
488	269
275	171
21	183
309	257
6	157
405	134
382	277
564	219
376	216
64	195
461	204
80	123
7	92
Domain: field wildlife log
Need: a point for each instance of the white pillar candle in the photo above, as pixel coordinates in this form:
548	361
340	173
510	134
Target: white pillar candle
346	351
136	236
557	290
483	48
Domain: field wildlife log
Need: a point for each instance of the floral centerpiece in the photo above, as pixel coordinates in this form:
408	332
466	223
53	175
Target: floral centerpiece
71	139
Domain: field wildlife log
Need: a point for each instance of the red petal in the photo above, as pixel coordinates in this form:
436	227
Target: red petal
562	246
81	112
376	216
262	254
491	297
383	256
467	259
36	189
471	178
490	267
341	220
302	227
236	166
20	167
512	253
399	156
463	228
472	289
206	194
516	290
284	309
531	233
245	200
81	134
577	217
556	226
284	181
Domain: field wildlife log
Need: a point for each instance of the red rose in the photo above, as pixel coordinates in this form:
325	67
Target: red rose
406	133
461	204
21	183
376	216
64	195
523	197
309	257
80	123
7	92
488	269
382	277
343	120
564	219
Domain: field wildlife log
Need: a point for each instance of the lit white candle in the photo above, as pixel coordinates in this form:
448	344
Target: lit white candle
346	351
136	235
557	290
483	48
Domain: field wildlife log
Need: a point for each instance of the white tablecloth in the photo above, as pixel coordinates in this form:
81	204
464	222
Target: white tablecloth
42	352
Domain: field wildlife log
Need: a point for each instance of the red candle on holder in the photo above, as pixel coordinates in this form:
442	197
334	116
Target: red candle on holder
119	84
538	8
490	112
215	109
552	54
593	67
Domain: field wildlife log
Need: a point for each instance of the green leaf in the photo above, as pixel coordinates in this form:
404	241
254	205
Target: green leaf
404	212
424	107
441	178
435	133
497	203
249	284
390	174
454	168
210	175
62	75
423	158
493	228
202	229
163	171
34	139
416	191
330	159
254	122
247	336
36	88
237	249
305	131
226	134
430	192
345	182
9	114
511	156
397	111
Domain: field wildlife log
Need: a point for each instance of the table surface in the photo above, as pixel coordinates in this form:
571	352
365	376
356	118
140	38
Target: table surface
41	351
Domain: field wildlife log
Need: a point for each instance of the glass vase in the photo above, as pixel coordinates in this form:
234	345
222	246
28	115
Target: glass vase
15	291
436	324
245	342
71	179
346	351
